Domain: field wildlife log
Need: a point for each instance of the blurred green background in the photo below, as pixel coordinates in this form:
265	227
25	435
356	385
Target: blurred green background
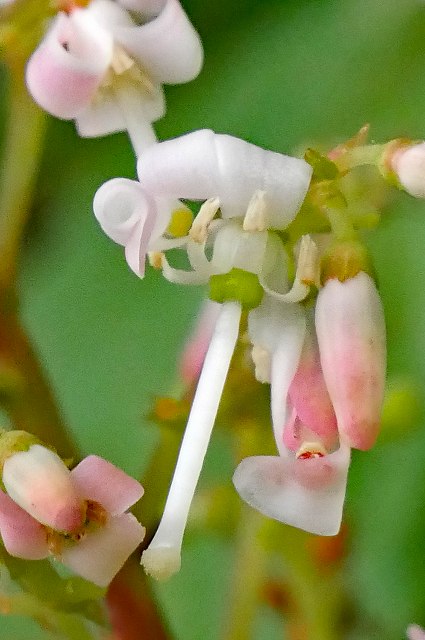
283	74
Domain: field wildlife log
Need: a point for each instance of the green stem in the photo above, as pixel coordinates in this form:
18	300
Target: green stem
341	225
21	157
248	577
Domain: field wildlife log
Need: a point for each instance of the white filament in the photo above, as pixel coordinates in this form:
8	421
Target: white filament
162	558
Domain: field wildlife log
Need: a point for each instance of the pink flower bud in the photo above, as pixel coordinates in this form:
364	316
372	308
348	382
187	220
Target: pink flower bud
350	329
39	482
408	163
415	632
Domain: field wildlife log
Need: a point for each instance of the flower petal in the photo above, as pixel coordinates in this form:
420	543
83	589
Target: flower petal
100	555
99	480
168	47
308	494
202	165
66	70
22	535
119	205
279	328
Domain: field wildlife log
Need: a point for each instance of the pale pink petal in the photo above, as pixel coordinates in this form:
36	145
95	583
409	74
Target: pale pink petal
350	329
39	482
296	433
65	72
310	397
308	494
279	328
23	537
99	480
167	47
203	165
100	555
415	632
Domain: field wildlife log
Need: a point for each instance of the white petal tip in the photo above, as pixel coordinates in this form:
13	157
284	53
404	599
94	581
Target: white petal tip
161	562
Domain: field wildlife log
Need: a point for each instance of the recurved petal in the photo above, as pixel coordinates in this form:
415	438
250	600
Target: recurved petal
99	480
119	205
66	70
308	494
22	535
167	47
100	555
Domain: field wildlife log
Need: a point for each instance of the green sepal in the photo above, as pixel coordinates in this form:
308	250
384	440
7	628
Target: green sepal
344	259
323	168
238	286
12	442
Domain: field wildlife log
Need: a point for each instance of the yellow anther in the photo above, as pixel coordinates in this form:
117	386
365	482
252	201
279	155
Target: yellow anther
181	221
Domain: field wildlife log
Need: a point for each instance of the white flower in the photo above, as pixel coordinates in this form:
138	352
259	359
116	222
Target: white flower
97	66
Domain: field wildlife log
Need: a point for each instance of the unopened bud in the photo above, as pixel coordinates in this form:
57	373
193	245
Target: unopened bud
40	483
408	164
350	330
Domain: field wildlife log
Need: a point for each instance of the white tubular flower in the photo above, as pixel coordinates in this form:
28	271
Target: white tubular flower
97	66
204	164
162	558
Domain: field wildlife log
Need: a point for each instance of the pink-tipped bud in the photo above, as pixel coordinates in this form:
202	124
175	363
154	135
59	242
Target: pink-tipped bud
350	329
408	164
40	483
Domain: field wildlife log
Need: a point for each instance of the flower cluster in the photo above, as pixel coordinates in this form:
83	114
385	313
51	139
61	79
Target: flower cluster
274	239
79	517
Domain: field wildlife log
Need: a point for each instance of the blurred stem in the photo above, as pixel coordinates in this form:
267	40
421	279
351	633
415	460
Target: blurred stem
317	594
248	577
27	397
132	610
21	157
25	393
157	480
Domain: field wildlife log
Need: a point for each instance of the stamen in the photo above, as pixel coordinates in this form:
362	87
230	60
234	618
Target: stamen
162	558
310	450
155	259
262	362
255	217
308	264
199	229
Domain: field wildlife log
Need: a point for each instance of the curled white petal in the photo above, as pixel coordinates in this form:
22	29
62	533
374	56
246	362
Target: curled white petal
308	494
167	46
